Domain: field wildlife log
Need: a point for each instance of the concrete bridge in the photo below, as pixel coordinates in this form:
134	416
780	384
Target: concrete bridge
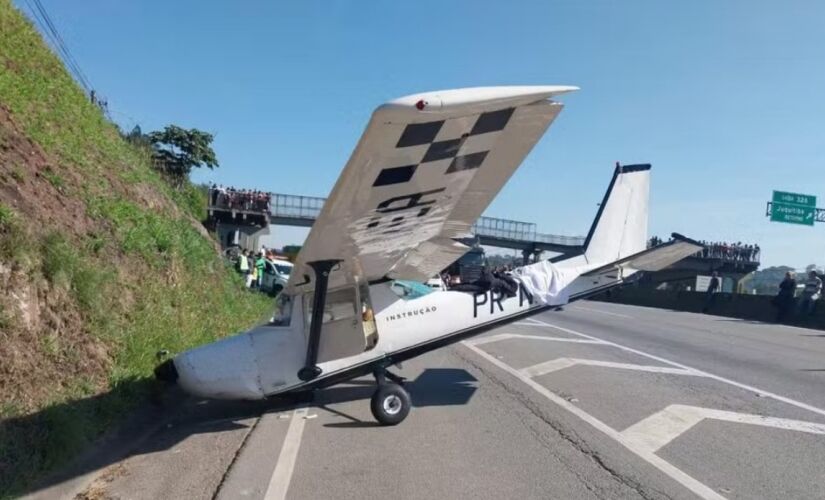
294	210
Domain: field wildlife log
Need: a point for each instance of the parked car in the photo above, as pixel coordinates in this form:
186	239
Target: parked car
436	283
276	275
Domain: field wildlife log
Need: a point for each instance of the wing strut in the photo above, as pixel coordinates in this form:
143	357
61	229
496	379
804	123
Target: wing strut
319	298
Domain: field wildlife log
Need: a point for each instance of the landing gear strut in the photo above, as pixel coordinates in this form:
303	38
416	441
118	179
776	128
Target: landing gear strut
390	404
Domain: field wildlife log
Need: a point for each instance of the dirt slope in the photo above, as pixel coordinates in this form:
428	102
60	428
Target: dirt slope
101	265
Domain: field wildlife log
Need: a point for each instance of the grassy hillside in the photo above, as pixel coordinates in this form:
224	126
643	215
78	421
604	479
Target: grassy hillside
101	265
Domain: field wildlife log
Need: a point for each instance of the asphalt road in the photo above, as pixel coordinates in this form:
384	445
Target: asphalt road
596	401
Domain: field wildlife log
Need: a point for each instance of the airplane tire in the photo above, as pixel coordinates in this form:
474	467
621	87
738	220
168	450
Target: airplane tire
390	404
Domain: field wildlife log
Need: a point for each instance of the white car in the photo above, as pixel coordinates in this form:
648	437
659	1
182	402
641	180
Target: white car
276	275
436	283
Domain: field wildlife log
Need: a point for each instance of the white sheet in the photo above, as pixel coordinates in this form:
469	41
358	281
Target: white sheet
547	283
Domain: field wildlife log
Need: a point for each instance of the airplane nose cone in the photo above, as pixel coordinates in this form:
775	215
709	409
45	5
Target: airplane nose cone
167	372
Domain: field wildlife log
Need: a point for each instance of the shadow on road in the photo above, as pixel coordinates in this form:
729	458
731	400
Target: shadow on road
434	387
65	441
35	444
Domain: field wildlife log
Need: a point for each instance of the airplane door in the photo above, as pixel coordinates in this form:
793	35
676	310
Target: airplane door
348	326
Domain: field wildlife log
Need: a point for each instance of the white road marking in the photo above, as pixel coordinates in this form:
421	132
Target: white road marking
640	450
281	476
793	402
506	336
659	429
590	309
561	363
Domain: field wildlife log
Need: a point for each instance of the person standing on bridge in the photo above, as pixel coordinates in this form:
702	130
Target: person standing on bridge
811	293
710	295
785	298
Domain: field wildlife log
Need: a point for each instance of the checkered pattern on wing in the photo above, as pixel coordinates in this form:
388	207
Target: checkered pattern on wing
454	148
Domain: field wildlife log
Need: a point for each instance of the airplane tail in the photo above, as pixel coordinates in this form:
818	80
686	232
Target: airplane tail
620	227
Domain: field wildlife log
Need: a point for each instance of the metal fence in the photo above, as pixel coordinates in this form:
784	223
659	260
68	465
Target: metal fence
308	208
520	231
505	229
555	239
302	207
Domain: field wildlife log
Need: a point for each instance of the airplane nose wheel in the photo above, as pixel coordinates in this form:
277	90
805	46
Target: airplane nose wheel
390	403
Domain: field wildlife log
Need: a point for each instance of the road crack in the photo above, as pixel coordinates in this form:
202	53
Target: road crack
235	457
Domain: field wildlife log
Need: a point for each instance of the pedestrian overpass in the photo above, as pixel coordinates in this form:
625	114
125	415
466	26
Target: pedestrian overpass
301	211
295	210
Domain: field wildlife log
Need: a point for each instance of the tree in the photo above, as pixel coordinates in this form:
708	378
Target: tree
178	150
137	137
291	251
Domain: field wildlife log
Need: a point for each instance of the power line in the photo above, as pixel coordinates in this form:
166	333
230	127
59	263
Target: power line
49	29
79	74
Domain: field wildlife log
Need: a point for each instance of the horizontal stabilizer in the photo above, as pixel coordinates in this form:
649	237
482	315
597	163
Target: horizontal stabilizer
656	258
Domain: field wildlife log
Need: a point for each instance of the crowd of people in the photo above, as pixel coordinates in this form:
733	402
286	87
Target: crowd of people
240	199
735	252
251	265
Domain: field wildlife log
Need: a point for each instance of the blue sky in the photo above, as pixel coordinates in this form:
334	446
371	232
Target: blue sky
725	99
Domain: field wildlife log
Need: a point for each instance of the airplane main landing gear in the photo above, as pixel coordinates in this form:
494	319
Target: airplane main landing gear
390	403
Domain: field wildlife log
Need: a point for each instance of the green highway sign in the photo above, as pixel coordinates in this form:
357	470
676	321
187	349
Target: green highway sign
793	208
801	200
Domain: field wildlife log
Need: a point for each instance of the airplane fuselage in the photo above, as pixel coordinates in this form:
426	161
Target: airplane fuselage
265	360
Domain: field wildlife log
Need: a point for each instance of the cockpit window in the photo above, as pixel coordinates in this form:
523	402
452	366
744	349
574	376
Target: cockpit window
283	311
409	290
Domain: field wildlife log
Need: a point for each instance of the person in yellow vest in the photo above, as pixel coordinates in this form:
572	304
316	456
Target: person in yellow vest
243	267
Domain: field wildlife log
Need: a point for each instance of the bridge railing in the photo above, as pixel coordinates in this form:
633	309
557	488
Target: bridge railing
514	230
504	228
555	239
303	207
238	200
308	208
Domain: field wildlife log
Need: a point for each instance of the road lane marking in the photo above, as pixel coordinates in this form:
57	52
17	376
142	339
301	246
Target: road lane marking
659	429
506	336
581	308
792	402
641	451
561	363
281	476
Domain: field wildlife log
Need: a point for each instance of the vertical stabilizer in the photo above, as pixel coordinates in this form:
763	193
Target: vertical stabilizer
620	228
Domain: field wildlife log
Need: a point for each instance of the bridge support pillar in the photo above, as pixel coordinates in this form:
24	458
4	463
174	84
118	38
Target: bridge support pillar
246	237
525	256
530	255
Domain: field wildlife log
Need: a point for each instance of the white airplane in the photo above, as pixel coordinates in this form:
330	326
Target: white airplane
424	170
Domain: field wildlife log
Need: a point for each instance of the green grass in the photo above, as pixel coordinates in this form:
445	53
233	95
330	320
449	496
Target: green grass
54	179
15	240
143	279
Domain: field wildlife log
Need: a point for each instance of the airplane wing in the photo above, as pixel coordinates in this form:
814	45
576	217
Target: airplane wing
424	170
656	258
